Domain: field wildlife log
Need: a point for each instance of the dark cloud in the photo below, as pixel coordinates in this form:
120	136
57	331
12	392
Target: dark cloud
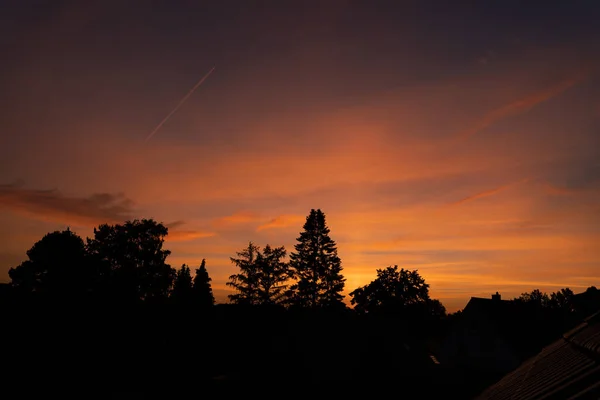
175	224
54	206
574	174
99	208
183	235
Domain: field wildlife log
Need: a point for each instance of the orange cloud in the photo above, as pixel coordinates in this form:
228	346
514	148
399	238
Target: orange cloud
381	169
519	106
282	221
183	236
240	217
432	243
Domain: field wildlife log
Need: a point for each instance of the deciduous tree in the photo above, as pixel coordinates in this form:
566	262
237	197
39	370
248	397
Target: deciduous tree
57	263
395	290
131	259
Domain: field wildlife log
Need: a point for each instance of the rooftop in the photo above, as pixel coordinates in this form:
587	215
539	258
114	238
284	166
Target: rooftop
567	369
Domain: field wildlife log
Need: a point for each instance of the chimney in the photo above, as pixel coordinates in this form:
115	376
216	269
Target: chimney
496	297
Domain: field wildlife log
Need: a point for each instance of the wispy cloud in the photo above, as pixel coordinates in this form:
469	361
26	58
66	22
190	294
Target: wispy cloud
175	224
239	217
51	205
487	193
382	169
282	221
99	208
561	191
186	235
182	235
519	106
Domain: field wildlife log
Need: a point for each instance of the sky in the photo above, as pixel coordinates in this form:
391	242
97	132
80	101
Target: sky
461	139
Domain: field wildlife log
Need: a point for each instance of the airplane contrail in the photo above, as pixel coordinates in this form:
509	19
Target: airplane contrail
180	104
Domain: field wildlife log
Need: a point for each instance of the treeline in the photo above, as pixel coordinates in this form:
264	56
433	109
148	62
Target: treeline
117	315
127	264
555	313
563	307
562	299
124	263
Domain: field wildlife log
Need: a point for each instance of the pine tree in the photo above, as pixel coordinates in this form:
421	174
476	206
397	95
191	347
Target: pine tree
202	290
245	283
316	265
262	278
272	275
182	285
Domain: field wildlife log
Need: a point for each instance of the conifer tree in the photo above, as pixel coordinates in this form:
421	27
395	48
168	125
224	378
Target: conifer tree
246	281
182	285
272	275
262	277
201	288
316	265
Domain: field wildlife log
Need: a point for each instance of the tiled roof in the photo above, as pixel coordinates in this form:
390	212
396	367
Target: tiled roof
567	369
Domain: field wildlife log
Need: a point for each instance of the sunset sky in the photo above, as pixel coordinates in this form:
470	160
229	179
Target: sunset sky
459	140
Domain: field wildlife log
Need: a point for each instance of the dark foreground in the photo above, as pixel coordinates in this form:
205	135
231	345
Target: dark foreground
145	352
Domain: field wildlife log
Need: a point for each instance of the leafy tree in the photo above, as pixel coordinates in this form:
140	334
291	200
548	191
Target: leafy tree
131	259
182	285
534	298
395	290
316	266
57	263
588	302
562	300
436	309
202	290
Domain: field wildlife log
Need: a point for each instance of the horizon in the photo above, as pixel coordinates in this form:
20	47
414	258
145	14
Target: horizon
460	141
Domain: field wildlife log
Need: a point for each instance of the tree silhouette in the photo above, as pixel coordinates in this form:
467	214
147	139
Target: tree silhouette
57	264
535	298
272	274
202	290
245	282
436	309
587	302
131	260
182	285
262	275
394	291
316	265
562	300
